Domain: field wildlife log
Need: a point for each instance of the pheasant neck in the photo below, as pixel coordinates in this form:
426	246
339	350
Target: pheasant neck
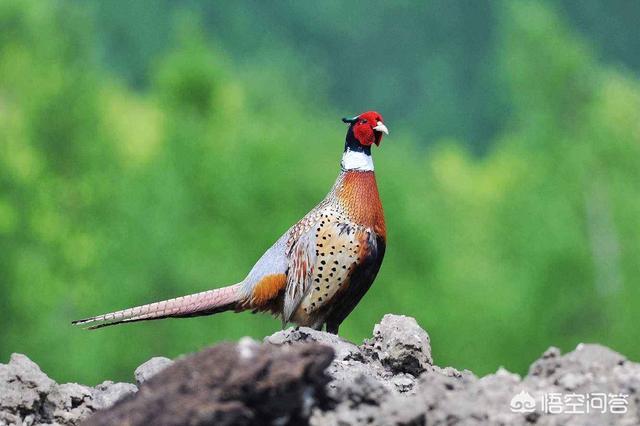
356	160
356	193
356	157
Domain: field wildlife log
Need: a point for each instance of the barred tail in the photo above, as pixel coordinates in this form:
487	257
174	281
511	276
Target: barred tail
204	303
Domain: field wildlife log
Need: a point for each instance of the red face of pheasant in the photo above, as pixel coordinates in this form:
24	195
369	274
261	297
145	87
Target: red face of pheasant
367	128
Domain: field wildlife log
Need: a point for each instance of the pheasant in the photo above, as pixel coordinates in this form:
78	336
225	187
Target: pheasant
314	274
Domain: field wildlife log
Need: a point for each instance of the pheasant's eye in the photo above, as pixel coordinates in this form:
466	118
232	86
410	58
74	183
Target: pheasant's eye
363	121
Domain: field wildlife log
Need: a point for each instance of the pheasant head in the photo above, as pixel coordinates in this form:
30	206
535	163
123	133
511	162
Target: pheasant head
365	130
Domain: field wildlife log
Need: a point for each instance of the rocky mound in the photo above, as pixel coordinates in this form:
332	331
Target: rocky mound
28	396
302	376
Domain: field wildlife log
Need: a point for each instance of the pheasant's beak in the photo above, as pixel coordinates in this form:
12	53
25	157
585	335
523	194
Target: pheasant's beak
380	127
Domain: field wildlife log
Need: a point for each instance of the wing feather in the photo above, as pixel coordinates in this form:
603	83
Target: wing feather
302	259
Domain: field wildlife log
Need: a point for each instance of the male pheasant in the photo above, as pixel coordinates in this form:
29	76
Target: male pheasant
316	273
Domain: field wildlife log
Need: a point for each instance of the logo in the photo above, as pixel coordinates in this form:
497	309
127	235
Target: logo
571	403
523	403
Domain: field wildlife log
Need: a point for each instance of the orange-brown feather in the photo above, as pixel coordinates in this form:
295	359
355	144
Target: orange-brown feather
267	290
359	196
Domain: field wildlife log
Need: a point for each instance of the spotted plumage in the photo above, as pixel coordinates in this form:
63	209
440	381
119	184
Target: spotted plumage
314	274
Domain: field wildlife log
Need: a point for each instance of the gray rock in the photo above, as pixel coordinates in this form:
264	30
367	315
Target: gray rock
289	379
401	345
150	368
595	358
29	397
23	388
108	393
69	403
375	383
342	348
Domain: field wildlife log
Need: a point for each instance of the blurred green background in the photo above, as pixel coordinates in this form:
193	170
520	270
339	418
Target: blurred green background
154	149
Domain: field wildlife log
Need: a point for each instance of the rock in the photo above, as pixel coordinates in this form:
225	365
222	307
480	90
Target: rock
107	393
29	397
374	383
70	403
596	358
23	389
150	368
304	376
361	383
230	385
343	349
401	345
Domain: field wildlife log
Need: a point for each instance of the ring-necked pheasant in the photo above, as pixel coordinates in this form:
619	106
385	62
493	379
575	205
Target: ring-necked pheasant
318	271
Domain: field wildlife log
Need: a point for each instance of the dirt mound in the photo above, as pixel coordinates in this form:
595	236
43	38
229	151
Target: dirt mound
302	376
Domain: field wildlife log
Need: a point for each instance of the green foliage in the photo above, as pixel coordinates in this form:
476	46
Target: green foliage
111	198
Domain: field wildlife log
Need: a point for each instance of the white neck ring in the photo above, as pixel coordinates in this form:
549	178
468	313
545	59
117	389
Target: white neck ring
353	160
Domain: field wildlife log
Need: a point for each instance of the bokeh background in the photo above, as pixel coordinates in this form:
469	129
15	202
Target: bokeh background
156	148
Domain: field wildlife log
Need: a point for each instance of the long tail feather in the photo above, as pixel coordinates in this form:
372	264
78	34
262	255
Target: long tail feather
204	303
